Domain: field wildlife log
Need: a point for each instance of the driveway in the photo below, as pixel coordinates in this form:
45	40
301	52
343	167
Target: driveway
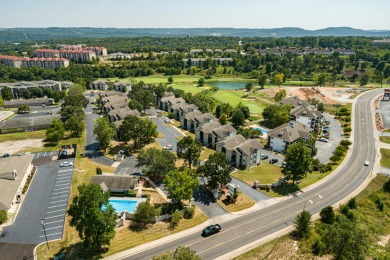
273	155
325	150
249	191
46	198
128	167
170	133
385	112
207	204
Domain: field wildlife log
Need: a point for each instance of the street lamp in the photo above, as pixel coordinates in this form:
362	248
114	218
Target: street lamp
44	231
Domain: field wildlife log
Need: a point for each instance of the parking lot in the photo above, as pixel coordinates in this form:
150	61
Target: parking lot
46	198
385	113
128	167
170	133
44	154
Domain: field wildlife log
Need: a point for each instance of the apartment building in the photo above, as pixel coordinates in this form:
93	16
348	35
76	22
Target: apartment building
78	55
47	53
46	63
18	88
99	51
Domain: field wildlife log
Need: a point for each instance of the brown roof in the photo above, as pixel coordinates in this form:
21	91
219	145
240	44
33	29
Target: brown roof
123	112
115	182
290	132
249	146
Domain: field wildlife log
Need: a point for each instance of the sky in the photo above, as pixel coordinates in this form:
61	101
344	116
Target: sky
306	14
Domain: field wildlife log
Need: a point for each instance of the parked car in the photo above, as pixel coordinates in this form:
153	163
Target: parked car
212	229
366	163
264	157
63	154
283	163
168	147
273	161
323	139
66	164
167	121
6	155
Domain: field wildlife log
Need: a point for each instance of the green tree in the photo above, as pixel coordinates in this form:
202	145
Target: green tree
75	125
327	215
37	92
1	102
320	80
141	130
302	224
321	107
55	132
181	253
145	213
76	100
6	93
280	95
156	163
249	87
365	78
201	82
177	215
277	115
3	216
189	150
73	111
223	119
298	160
238	117
105	131
24	109
93	216
180	185
134	104
278	79
47	92
170	79
263	80
216	170
26	94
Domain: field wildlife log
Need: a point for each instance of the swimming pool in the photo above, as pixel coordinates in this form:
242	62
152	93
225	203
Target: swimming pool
123	205
261	129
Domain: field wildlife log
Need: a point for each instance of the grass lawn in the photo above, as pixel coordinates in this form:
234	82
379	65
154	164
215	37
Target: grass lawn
385	160
387	131
206	152
265	174
235	97
242	202
40	134
385	139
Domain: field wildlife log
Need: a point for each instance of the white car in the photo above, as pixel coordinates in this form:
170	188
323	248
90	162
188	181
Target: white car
323	139
366	163
168	147
66	164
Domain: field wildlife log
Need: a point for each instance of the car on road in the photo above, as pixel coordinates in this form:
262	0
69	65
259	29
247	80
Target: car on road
66	164
168	147
212	229
273	161
264	157
366	163
167	121
323	139
6	155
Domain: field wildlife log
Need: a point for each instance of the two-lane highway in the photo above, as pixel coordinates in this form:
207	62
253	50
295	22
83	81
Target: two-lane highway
246	229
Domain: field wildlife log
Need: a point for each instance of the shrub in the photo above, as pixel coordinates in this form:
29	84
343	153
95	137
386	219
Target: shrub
3	216
347	129
345	143
327	215
189	212
386	186
318	247
344	209
352	203
379	204
176	217
351	216
98	171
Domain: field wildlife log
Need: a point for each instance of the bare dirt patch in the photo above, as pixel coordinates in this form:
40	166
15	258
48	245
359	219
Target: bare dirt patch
13	147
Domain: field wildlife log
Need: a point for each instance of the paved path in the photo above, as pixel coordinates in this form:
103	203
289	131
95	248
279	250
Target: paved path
385	171
170	133
249	191
207	205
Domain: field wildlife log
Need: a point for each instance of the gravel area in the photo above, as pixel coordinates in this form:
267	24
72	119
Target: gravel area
13	147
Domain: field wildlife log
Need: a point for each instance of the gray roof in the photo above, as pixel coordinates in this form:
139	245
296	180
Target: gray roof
28	102
224	130
179	105
305	111
176	100
114	98
232	142
115	182
188	107
290	132
192	115
112	93
98	81
35	121
168	94
9	187
294	101
207	128
249	146
204	118
123	112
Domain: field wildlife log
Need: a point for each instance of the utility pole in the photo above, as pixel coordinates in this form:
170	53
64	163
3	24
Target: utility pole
44	231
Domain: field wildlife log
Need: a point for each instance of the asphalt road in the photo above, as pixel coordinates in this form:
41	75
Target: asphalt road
169	132
254	226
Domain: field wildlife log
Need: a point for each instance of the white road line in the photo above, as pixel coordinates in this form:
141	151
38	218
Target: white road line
59	192
62	188
38	155
64	184
48	223
44	154
65	170
54	211
55	216
52	228
56	197
64	177
59	181
58	201
51	234
56	206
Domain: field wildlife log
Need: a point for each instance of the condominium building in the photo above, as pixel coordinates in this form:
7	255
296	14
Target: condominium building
47	63
78	55
99	51
11	61
18	88
47	53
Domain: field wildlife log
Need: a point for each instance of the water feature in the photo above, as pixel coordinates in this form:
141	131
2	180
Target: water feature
123	204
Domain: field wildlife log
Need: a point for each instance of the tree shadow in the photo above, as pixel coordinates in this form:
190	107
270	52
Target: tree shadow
77	251
137	227
286	189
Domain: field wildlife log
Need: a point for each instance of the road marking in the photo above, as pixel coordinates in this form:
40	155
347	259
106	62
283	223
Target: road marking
59	192
320	196
59	197
64	184
57	201
38	155
59	181
44	154
56	206
64	177
54	211
51	234
310	201
65	170
53	228
48	223
55	216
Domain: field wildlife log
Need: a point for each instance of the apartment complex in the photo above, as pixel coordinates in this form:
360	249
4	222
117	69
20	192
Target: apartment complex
18	88
72	52
46	63
99	51
47	53
78	55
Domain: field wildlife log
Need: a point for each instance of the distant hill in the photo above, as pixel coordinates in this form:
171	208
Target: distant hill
41	34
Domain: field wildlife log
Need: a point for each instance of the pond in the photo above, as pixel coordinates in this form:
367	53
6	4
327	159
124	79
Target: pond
227	84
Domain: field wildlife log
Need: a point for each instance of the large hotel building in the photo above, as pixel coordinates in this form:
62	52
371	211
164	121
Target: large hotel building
46	63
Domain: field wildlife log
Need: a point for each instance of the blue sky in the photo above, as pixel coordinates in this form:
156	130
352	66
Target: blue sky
307	14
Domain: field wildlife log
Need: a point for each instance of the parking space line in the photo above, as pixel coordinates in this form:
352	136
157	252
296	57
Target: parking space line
62	184
56	206
59	197
54	211
64	178
59	192
44	154
62	188
51	234
55	216
48	223
67	170
58	201
53	228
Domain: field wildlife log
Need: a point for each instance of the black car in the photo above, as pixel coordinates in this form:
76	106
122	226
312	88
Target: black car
272	161
264	157
212	229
